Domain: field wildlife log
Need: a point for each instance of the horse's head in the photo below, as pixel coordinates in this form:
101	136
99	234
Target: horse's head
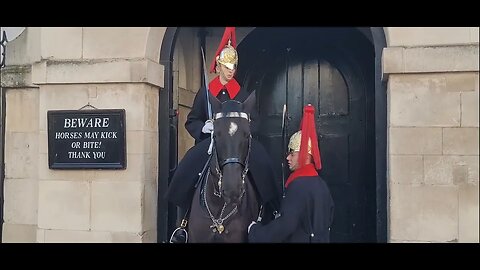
232	145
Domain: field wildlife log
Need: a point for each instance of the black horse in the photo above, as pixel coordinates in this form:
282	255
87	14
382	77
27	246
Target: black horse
226	201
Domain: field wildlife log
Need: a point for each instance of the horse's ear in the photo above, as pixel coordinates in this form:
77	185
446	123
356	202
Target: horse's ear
216	104
249	103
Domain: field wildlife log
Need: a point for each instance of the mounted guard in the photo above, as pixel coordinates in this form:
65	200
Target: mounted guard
223	91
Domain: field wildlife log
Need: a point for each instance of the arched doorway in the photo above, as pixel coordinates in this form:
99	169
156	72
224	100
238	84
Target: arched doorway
333	69
338	70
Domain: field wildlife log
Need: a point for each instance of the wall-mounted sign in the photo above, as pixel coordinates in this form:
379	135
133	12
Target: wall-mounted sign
86	139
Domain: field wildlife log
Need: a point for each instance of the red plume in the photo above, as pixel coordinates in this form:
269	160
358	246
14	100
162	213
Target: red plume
309	131
229	34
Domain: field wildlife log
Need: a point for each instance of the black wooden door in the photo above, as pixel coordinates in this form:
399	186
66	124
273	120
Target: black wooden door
331	69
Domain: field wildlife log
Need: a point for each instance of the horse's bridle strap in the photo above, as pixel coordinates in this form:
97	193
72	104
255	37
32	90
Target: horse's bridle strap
231	114
231	160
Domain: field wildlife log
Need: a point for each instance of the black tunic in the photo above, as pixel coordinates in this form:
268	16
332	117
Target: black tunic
307	207
199	113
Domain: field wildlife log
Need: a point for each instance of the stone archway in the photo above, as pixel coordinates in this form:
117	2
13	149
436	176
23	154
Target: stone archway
168	142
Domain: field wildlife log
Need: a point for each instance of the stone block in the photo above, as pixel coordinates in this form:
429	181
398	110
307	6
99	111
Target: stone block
186	97
64	205
428	36
61	42
117	206
460	141
393	60
474	34
415	141
126	237
135	171
17	77
40	236
442	59
21	155
450	170
114	42
20	201
406	170
71	236
21	110
151	108
470	110
424	213
149	219
417	100
19	233
460	81
468	217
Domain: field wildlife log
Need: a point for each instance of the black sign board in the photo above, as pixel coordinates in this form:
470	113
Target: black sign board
89	139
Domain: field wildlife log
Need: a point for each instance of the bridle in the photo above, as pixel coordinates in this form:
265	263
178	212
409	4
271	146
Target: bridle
226	161
217	223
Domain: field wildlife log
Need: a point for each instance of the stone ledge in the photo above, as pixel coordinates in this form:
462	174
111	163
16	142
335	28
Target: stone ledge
17	77
430	59
98	71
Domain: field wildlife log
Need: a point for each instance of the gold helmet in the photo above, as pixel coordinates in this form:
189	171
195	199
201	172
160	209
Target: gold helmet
228	56
295	142
308	134
226	53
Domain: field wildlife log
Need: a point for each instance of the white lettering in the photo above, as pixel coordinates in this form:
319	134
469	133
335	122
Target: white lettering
106	121
77	155
91	144
67	123
91	135
108	135
68	135
95	122
97	155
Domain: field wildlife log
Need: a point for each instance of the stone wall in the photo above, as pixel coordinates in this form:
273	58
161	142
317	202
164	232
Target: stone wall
65	69
433	134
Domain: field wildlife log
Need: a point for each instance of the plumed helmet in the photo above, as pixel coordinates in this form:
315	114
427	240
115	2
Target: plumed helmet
228	57
226	53
307	133
295	142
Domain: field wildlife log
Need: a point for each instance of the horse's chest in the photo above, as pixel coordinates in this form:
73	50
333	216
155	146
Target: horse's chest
206	225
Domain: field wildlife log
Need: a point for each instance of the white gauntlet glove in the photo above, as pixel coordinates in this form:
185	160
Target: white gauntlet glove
208	127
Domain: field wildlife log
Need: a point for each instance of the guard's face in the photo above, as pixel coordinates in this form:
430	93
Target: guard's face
226	74
292	159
